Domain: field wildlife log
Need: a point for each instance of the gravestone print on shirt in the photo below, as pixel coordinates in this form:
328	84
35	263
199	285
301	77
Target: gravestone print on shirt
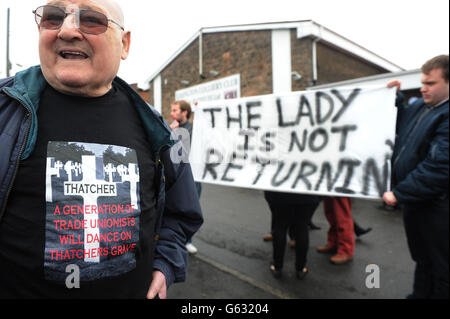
92	210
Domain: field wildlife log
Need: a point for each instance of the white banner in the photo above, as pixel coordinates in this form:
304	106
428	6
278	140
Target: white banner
329	142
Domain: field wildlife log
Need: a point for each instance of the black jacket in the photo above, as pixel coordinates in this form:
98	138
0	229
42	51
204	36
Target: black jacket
420	160
178	205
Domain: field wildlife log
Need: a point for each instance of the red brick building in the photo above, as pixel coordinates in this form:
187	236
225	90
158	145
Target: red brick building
143	93
266	58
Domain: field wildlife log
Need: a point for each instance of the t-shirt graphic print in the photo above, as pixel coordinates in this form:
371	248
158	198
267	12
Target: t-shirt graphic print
92	210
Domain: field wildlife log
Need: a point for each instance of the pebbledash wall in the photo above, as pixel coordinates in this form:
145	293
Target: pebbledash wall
269	58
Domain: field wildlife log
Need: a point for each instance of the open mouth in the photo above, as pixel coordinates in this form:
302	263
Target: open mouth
73	55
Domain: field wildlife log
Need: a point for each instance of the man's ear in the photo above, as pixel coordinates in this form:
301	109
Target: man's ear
126	39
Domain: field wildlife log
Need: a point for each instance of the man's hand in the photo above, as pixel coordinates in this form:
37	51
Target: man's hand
174	124
395	83
389	198
158	286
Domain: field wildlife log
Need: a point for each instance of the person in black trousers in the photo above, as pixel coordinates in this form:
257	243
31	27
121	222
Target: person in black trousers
295	210
420	174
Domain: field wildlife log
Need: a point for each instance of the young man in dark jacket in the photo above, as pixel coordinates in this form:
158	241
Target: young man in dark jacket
420	179
91	203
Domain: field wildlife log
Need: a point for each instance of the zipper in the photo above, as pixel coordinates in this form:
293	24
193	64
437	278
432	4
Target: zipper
427	110
19	157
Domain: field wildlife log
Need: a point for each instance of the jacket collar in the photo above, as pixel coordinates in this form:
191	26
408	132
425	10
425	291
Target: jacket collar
439	104
29	84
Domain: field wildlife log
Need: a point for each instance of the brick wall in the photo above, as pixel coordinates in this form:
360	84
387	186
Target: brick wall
246	53
333	64
336	65
301	58
249	53
184	67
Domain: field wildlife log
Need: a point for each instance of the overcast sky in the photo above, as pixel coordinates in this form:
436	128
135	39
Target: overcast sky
405	32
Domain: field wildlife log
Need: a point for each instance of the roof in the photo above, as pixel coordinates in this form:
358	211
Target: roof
305	28
410	80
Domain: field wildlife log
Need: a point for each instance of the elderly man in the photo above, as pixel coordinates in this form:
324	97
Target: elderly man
420	178
91	204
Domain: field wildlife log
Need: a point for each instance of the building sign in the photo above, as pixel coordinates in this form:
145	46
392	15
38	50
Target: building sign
224	88
330	142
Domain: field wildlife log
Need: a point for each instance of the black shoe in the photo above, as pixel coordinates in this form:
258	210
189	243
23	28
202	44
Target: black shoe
359	231
301	274
388	208
276	273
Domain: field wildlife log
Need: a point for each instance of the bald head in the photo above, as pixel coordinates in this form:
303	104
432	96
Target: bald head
76	62
115	12
110	7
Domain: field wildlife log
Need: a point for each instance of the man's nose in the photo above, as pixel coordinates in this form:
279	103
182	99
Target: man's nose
70	28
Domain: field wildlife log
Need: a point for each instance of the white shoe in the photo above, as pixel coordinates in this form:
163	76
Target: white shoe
191	248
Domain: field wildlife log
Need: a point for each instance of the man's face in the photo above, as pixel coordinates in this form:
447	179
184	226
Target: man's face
77	63
434	87
177	114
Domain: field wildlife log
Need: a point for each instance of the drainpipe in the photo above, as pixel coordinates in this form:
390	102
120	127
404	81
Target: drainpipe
314	60
200	54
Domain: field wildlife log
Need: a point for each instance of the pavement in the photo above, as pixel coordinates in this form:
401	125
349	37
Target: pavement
233	260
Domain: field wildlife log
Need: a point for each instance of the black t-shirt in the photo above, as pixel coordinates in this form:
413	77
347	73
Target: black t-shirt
83	204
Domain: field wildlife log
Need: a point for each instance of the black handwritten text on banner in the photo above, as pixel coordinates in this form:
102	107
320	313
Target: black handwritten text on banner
330	142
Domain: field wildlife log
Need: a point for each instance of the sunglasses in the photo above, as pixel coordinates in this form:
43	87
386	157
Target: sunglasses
88	21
